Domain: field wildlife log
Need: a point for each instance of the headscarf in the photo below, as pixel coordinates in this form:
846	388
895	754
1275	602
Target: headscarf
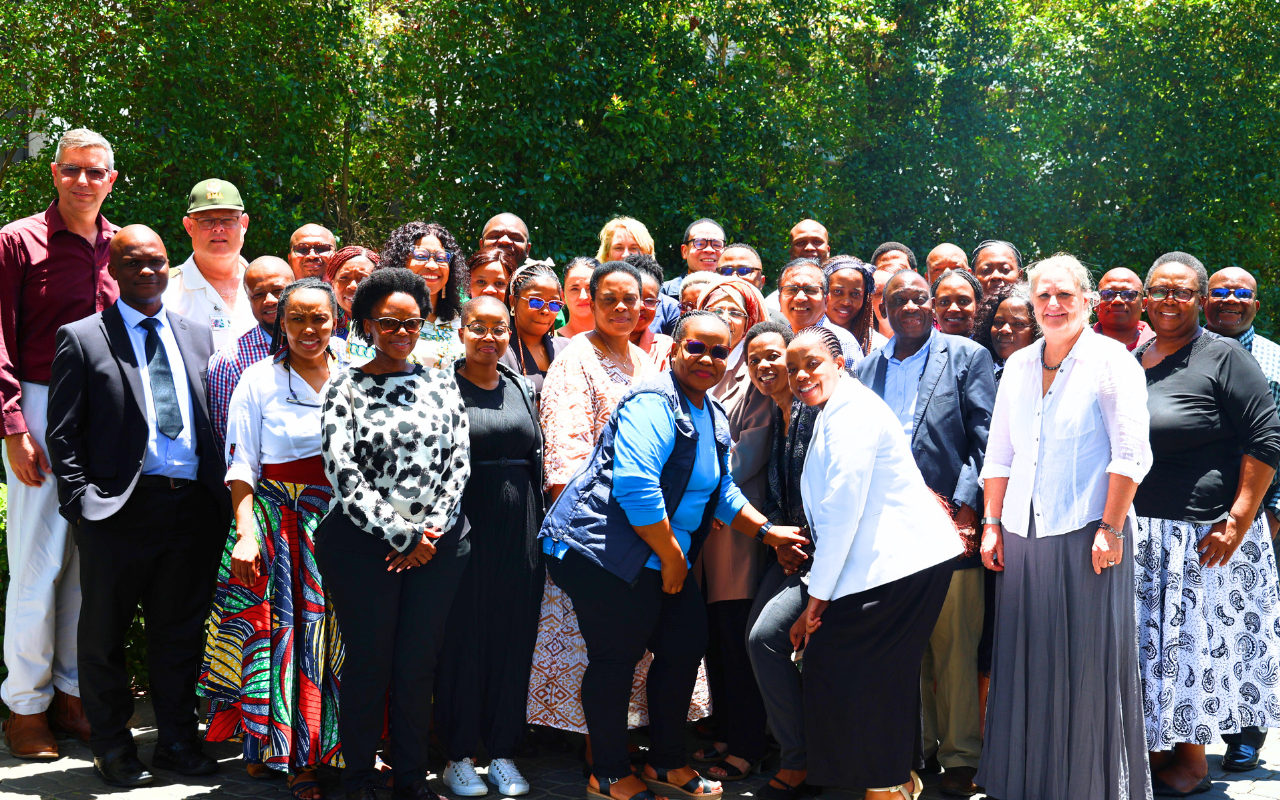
743	291
343	256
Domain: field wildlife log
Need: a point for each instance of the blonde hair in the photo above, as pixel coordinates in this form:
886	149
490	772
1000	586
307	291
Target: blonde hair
79	138
1071	265
633	226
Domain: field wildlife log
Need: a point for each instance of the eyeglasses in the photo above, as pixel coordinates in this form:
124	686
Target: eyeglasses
94	174
440	256
498	331
1127	295
740	271
649	302
211	223
791	290
389	325
293	396
1181	295
687	306
702	244
728	313
313	250
537	304
1222	293
696	348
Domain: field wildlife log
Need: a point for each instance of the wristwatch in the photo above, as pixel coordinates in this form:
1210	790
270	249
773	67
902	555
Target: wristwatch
764	530
990	521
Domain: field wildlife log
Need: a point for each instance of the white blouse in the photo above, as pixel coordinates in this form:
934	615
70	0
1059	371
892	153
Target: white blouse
263	427
873	518
1057	449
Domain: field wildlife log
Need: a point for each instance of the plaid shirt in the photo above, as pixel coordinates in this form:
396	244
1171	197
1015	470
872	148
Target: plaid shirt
225	369
1267	354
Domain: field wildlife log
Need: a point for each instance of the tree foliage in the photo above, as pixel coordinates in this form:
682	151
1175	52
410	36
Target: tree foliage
1113	130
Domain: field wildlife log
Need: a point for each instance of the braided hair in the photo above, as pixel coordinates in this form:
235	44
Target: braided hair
861	325
828	337
346	254
279	339
521	278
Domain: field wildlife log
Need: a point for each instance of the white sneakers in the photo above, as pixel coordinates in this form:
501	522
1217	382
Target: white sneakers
506	778
462	780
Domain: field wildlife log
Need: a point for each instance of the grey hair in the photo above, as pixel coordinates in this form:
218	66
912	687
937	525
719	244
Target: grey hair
1079	274
78	138
1187	260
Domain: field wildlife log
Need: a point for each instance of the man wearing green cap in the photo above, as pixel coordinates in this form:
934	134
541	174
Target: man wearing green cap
209	286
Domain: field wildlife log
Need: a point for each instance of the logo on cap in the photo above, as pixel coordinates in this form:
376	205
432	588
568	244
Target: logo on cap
213	190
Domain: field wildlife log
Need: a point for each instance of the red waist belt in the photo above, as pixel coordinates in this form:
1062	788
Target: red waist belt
308	471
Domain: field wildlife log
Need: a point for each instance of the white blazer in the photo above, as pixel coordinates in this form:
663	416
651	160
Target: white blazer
873	519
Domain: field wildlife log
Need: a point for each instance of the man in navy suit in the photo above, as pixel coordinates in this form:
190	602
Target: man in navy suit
140	480
943	390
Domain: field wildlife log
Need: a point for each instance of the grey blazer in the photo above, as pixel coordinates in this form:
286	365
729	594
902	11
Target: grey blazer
953	413
97	424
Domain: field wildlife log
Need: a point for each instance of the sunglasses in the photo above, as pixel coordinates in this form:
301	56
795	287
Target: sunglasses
1222	293
537	304
389	325
72	171
1181	295
440	256
1127	295
293	395
739	271
478	329
696	348
313	250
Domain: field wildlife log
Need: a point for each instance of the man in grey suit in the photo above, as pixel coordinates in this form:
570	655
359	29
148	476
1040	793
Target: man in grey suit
943	390
140	480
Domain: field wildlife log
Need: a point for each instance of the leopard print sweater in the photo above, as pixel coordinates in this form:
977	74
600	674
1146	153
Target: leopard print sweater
397	452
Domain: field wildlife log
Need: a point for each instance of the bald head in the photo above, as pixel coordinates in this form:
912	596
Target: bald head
310	248
1121	275
140	265
484	304
507	232
944	257
264	281
1231	315
809	239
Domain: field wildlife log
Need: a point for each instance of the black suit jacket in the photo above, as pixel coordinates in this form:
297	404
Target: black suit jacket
953	413
98	424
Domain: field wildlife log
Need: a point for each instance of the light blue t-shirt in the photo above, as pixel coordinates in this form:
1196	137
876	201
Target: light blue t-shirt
646	437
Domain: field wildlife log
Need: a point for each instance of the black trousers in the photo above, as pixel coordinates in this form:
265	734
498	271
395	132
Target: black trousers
1250	735
160	551
392	627
740	715
618	621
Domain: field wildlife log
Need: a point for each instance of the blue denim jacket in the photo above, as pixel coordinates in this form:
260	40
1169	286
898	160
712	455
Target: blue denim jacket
587	518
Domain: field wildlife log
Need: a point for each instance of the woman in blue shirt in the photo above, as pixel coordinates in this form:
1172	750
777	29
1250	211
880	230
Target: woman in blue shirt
620	540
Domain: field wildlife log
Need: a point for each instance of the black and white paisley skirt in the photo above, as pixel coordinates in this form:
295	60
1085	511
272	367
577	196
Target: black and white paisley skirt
1209	638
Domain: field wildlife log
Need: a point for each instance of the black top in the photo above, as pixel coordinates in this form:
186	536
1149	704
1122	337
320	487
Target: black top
522	362
1210	404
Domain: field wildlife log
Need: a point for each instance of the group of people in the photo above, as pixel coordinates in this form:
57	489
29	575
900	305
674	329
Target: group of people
901	521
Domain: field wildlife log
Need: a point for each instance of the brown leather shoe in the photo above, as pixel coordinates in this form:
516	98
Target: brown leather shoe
67	715
28	736
958	782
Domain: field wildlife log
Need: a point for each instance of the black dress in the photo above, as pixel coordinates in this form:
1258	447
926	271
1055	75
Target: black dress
483	681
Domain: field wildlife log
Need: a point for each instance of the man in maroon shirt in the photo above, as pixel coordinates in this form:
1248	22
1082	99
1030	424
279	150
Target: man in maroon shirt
53	271
1120	308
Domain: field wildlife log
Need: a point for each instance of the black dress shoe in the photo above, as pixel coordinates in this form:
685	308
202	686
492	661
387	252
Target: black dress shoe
120	767
418	790
1241	758
931	766
184	758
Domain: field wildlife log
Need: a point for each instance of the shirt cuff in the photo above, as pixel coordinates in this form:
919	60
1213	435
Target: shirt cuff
732	507
14	423
993	470
242	472
1132	470
645	516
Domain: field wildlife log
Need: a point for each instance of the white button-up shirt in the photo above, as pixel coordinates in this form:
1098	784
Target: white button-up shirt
192	296
173	458
1057	449
265	427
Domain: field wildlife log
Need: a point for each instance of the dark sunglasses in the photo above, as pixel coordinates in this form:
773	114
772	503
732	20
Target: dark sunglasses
72	171
537	304
389	325
696	348
313	250
1222	293
741	271
1127	295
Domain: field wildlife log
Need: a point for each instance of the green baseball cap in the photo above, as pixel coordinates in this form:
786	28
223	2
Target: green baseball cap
214	195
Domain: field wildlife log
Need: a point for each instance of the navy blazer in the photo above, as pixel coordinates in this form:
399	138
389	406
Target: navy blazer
953	413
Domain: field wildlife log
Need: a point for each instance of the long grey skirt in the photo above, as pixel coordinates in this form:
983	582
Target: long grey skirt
1064	711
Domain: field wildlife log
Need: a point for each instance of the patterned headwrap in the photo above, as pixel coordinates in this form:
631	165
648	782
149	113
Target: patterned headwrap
343	256
861	328
741	290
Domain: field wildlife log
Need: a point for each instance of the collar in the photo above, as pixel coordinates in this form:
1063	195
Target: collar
54	222
923	352
133	317
193	279
1246	339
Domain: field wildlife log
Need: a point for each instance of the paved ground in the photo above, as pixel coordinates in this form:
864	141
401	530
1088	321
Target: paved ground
554	777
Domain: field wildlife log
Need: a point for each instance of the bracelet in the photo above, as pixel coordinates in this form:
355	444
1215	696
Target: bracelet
1104	526
990	521
764	531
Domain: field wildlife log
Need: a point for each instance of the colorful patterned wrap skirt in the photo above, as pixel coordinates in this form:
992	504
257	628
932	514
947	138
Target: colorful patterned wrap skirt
273	657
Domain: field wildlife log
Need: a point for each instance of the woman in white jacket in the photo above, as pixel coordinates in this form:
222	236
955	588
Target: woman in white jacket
884	550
